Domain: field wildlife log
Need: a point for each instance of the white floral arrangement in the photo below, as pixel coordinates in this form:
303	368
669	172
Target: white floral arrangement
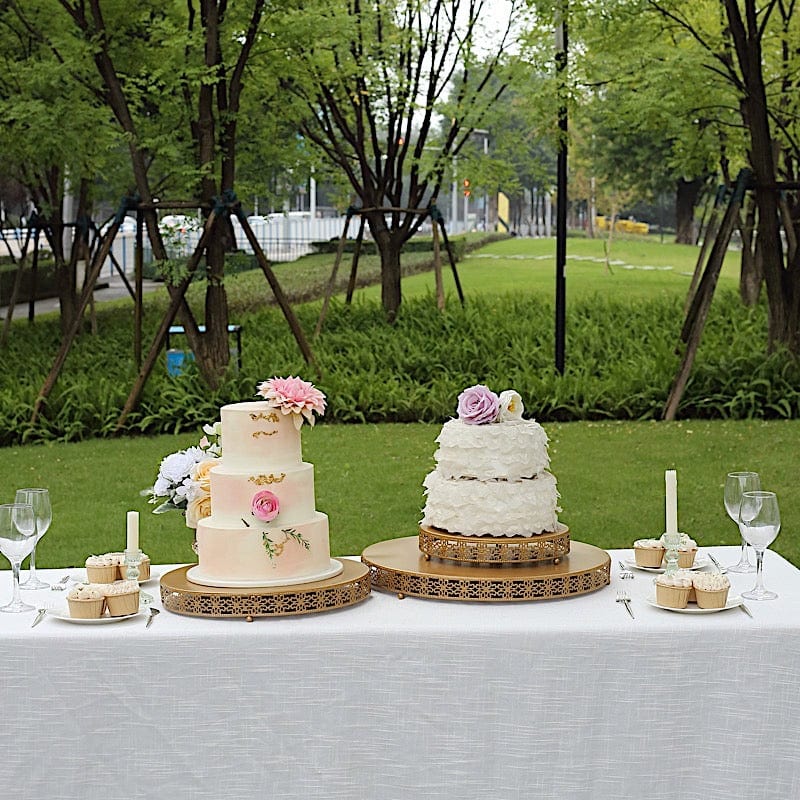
184	480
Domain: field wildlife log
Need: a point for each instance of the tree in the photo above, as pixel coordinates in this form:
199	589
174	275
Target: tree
369	78
172	77
46	79
752	48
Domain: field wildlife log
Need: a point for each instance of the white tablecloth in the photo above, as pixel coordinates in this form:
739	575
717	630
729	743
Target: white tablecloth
567	699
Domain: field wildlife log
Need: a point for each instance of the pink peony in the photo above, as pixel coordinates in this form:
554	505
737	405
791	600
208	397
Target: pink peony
478	405
265	506
294	396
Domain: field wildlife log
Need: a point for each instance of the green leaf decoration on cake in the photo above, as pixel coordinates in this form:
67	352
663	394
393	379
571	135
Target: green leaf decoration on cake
275	549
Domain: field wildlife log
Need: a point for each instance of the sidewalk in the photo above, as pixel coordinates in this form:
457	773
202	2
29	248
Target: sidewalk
109	288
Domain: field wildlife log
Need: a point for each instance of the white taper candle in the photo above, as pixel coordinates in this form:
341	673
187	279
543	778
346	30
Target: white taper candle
133	530
671	479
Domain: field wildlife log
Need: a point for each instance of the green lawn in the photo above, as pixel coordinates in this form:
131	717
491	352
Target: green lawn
648	269
368	480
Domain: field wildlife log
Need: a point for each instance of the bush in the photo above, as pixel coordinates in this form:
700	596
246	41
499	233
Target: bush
620	363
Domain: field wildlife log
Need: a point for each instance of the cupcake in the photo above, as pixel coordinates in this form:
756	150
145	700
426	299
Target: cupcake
673	591
122	598
86	601
711	589
687	549
648	552
101	569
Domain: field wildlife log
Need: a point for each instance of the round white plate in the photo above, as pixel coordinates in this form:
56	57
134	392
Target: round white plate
700	561
692	608
196	576
63	613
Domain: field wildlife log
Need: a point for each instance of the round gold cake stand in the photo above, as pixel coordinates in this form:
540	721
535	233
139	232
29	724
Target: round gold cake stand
397	565
436	543
181	596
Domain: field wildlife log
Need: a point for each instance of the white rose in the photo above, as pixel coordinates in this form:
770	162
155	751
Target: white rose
174	468
161	487
510	405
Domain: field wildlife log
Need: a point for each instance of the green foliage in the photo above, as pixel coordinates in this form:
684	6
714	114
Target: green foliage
621	362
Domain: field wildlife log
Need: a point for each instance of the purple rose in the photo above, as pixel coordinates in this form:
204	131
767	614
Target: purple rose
478	405
265	506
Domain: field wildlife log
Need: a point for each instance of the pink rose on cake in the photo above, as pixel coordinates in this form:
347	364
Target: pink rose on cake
294	396
478	405
265	506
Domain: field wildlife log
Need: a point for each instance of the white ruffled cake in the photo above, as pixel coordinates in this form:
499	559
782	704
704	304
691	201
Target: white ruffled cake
264	529
491	476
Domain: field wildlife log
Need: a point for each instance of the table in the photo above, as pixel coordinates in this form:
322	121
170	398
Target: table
562	699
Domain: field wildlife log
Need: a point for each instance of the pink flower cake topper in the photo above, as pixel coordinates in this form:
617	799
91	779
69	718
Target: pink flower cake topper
265	505
478	405
294	396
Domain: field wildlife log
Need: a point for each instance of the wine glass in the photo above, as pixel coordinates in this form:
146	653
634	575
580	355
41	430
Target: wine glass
735	484
759	522
43	513
17	538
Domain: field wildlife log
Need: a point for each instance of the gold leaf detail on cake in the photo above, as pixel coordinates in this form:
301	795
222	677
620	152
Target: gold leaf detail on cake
256	434
271	417
266	480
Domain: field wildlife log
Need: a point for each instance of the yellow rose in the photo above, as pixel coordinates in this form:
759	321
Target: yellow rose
202	472
197	509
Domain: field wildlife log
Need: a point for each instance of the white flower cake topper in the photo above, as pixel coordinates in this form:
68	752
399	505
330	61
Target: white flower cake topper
511	406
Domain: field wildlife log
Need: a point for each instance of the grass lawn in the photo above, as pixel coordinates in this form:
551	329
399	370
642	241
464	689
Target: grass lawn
641	268
368	480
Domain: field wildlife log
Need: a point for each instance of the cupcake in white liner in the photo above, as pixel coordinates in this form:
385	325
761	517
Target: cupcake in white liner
122	598
711	589
673	591
102	569
648	552
86	601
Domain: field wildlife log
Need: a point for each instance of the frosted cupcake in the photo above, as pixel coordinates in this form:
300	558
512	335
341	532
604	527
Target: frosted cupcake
86	601
687	549
648	553
101	569
122	597
673	591
711	589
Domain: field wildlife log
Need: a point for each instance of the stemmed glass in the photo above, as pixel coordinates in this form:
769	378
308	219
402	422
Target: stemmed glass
43	513
17	538
759	522
735	484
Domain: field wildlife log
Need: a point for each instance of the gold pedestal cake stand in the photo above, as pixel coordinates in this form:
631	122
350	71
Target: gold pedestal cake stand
400	566
181	596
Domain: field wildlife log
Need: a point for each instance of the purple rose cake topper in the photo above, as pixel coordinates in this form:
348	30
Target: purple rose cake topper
478	405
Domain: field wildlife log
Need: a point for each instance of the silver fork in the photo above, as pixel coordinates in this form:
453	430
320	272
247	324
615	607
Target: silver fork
624	597
716	564
625	573
61	585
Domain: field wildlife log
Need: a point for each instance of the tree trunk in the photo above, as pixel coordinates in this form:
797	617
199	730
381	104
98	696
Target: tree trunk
752	270
686	194
768	251
389	250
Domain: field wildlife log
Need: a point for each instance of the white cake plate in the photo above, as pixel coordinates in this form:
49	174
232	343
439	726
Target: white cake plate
196	576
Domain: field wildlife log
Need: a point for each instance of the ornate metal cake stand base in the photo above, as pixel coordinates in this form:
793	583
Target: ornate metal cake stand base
181	596
436	543
398	566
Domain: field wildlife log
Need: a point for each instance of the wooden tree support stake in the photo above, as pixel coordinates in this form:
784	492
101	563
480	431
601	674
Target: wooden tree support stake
695	320
323	312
